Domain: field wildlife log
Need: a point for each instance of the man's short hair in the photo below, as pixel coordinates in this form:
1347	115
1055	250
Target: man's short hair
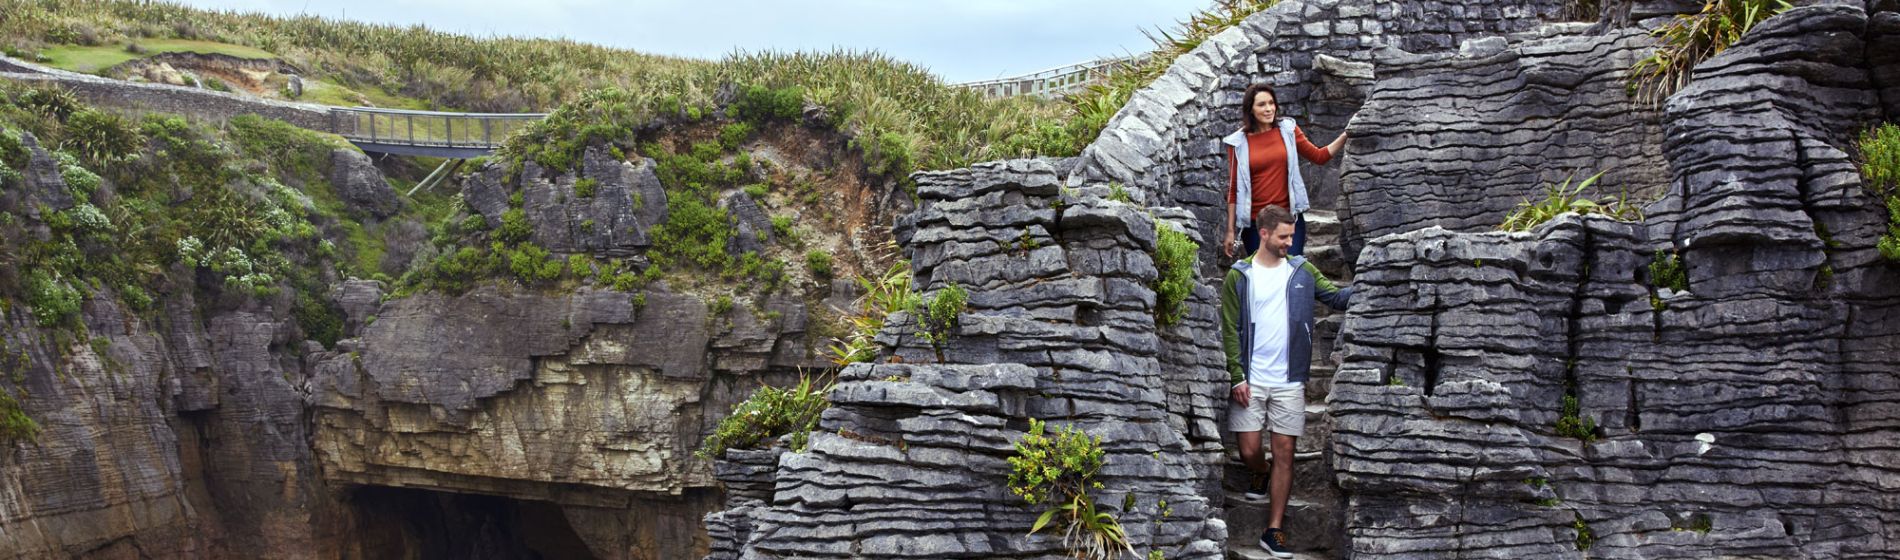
1271	217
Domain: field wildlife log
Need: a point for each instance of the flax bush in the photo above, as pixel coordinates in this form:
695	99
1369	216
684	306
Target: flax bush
1690	39
769	413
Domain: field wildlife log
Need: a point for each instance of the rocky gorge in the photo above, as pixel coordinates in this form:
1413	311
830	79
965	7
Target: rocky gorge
1546	393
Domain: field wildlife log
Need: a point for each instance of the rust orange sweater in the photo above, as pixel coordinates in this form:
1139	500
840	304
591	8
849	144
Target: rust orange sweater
1266	159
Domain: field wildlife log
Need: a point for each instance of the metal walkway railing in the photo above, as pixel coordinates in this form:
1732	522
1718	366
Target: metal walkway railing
1051	82
427	133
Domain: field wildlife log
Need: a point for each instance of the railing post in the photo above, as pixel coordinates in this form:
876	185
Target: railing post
450	123
372	127
411	119
488	134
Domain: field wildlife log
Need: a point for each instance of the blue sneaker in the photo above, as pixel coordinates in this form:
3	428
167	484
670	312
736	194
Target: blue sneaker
1257	486
1274	542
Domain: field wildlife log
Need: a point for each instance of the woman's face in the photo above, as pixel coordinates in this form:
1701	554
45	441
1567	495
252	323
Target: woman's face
1265	108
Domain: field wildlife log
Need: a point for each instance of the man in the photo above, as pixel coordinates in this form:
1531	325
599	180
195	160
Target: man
1267	331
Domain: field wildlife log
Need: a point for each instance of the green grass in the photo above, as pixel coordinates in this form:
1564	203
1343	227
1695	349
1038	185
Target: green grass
93	59
906	118
1690	39
1880	165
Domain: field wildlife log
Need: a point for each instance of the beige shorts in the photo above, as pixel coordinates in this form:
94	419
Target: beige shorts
1281	409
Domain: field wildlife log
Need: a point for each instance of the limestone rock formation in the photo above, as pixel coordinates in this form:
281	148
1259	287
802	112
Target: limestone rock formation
361	185
1540	395
605	209
1458	139
1315	54
910	460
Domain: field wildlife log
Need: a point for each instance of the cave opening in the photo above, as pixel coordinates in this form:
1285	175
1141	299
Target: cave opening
418	524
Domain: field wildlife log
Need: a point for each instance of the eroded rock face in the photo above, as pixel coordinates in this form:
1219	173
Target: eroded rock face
910	460
1746	416
177	434
605	209
361	185
593	401
1459	139
1318	56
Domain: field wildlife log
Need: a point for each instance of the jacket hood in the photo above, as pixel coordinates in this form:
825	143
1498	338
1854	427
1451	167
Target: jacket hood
1244	262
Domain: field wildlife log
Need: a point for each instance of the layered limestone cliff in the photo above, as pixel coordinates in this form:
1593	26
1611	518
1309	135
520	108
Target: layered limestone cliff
910	460
1748	415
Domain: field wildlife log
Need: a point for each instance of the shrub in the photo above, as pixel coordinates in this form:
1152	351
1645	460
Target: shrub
320	319
758	104
1572	423
15	425
52	300
756	191
1666	271
1060	471
732	135
584	188
1563	198
514	226
1880	165
884	295
941	315
53	101
1175	256
782	226
102	137
819	262
1692	38
769	413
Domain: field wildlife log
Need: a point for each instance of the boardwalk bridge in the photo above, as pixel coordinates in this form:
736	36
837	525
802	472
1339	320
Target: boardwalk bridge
427	133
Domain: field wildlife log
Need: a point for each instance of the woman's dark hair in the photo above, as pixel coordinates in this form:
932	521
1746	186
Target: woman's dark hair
1250	124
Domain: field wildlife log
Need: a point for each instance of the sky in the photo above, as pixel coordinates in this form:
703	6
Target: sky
960	40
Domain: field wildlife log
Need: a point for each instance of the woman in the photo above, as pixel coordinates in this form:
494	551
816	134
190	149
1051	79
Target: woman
1272	174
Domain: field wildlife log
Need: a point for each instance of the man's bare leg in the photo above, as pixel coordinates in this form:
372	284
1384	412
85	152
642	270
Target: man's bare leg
1281	482
1251	452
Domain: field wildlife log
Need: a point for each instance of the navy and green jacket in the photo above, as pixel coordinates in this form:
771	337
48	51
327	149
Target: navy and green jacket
1236	329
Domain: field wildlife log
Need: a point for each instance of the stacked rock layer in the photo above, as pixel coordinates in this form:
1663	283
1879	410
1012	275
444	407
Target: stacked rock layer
910	461
1546	395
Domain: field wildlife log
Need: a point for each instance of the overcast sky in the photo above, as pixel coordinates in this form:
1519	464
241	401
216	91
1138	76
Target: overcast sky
961	40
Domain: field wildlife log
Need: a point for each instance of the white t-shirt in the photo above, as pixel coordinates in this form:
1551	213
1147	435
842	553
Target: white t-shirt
1266	296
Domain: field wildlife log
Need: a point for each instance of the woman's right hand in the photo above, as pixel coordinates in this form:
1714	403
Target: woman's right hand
1227	244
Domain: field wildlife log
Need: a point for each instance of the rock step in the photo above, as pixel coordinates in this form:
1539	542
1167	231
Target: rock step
1313	529
1253	552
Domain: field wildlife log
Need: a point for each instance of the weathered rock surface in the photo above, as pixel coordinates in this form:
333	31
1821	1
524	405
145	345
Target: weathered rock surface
1748	416
1459	139
910	460
609	216
361	185
175	437
1316	54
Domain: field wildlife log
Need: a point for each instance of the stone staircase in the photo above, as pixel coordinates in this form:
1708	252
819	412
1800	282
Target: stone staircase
1315	516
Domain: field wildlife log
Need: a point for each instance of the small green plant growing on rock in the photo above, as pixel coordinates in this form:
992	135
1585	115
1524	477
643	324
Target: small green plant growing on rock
1059	470
1666	271
1572	423
1880	165
941	316
585	187
1175	255
1563	198
1692	38
819	262
884	295
1585	537
1118	193
769	413
15	425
